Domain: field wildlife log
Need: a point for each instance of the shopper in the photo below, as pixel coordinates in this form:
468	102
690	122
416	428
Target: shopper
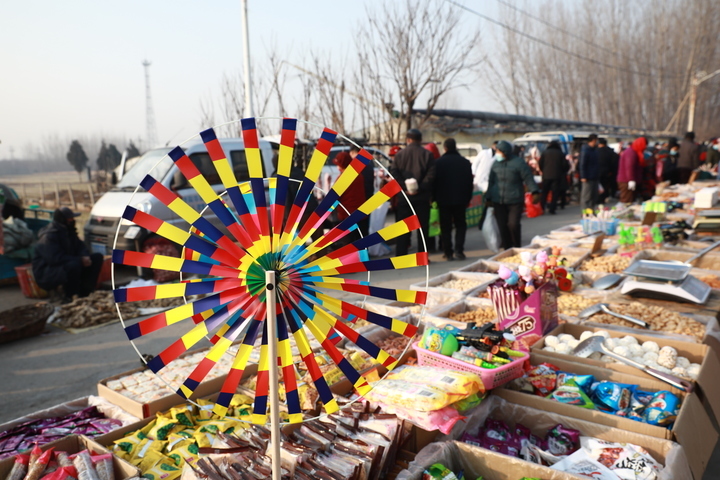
352	197
688	158
368	175
630	169
452	190
589	173
670	172
62	259
413	167
554	167
506	195
713	152
608	162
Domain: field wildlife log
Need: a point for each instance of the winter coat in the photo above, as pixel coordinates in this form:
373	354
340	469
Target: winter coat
589	163
56	251
689	156
352	198
629	169
608	161
415	162
453	180
506	181
553	164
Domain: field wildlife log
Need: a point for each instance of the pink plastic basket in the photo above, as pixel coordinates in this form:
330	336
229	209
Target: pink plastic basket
491	377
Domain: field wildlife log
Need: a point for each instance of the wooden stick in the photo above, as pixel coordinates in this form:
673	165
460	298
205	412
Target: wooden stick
72	197
42	194
57	196
271	319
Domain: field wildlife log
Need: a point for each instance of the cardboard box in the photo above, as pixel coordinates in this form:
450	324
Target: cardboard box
540	422
693	428
695	352
536	316
28	285
75	444
476	462
148	409
479	281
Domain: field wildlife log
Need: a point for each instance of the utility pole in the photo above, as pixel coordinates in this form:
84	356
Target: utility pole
247	83
150	130
699	78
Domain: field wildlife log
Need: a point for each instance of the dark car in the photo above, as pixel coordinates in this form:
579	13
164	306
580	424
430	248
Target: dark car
13	206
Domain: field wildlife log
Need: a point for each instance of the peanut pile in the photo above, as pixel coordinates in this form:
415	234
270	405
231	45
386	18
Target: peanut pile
571	304
461	284
660	319
608	263
711	280
479	316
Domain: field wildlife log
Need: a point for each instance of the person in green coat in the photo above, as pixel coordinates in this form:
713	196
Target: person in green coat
505	193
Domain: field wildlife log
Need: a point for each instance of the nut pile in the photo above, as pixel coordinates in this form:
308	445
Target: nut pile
571	304
99	307
461	284
608	263
648	353
515	259
660	319
394	345
479	316
712	280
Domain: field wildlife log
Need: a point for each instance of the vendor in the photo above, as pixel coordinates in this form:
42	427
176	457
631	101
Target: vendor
62	259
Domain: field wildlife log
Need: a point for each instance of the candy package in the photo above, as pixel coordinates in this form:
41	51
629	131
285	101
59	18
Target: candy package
581	463
569	393
496	430
543	378
627	461
451	381
662	409
582	381
613	397
562	440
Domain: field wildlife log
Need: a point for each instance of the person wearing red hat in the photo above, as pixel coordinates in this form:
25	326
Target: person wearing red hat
62	259
630	169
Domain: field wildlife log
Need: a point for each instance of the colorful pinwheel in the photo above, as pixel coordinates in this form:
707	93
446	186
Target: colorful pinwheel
268	231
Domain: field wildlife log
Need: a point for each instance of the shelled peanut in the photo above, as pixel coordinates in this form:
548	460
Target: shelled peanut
659	318
571	304
480	315
461	284
608	263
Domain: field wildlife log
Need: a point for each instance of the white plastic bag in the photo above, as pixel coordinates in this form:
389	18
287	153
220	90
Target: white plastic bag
490	230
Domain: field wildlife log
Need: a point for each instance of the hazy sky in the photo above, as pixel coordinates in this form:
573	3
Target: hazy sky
74	67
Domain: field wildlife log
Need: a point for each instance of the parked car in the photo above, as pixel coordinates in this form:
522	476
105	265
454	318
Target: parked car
107	212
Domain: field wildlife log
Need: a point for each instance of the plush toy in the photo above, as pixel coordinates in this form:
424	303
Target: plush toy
510	277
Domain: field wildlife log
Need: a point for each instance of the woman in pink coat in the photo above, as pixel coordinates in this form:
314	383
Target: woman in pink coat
629	173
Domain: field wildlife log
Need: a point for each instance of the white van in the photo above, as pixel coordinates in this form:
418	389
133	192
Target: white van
107	212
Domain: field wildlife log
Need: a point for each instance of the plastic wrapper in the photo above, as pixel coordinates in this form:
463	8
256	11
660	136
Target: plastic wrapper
662	409
627	461
613	397
570	394
583	464
37	468
104	466
84	465
582	381
451	381
19	468
406	395
562	440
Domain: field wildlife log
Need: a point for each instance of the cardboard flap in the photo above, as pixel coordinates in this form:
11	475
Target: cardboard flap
708	381
695	432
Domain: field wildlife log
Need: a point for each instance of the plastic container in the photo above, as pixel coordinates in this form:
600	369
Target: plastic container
491	377
27	282
608	227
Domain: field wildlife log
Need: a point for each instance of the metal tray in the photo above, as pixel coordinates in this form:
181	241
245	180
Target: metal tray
654	270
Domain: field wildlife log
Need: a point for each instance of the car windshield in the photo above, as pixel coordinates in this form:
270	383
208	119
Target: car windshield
143	167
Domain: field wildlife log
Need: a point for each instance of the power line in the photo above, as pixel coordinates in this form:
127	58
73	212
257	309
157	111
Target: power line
548	44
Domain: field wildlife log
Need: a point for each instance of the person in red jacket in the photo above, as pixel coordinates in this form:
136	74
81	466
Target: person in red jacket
630	169
352	197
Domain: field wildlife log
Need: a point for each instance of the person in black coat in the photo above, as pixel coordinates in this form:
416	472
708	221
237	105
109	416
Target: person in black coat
452	190
554	167
415	166
608	160
62	259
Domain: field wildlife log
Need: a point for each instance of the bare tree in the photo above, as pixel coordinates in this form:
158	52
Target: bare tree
417	47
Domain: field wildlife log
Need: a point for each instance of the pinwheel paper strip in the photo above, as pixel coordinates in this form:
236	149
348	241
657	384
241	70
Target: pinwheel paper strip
270	229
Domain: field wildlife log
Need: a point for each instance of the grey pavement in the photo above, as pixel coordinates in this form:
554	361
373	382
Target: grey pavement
57	366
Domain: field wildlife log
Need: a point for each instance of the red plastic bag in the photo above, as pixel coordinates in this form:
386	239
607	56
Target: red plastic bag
532	210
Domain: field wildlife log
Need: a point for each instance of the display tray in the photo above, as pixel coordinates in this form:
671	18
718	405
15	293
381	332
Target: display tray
658	270
474	282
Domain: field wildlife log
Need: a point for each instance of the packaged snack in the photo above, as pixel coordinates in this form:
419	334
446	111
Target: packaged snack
662	408
183	415
146	446
37	468
582	464
104	466
84	464
126	447
466	404
423	398
186	453
34	455
571	394
543	378
162	428
19	468
163	470
562	440
521	436
451	381
63	460
496	430
613	397
626	460
438	471
582	381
